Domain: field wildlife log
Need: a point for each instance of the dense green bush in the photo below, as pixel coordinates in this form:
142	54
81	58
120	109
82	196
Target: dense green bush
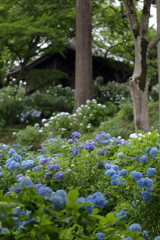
112	92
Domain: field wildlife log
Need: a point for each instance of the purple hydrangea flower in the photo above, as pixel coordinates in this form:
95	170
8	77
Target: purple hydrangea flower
53	167
89	146
101	152
47	175
17	190
19	176
38	185
59	175
75	135
43	161
70	141
75	151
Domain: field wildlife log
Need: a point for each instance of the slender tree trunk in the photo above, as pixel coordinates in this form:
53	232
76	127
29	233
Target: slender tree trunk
83	78
139	85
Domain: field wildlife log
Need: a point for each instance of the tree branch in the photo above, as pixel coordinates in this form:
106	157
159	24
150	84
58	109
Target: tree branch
132	17
153	42
145	18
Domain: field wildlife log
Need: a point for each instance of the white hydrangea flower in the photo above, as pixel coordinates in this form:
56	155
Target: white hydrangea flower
44	120
40	131
46	124
36	124
133	135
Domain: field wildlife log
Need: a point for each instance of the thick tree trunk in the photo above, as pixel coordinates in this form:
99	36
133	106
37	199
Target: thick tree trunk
83	78
139	85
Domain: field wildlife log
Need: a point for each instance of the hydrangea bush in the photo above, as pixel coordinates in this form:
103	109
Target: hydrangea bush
105	188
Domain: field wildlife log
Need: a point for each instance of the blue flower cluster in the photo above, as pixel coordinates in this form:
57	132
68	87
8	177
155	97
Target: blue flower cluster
115	174
97	199
26	114
122	213
58	200
100	236
76	135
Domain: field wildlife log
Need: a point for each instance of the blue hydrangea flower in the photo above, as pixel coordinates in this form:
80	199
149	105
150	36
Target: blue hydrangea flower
75	135
89	146
100	236
136	175
59	175
122	213
16	157
110	172
4	230
0	169
153	152
53	166
11	151
97	199
27	164
89	209
1	174
151	171
108	166
107	148
75	151
145	235
157	238
44	191
13	165
135	227
25	182
114	179
115	167
70	141
146	196
58	202
143	159
122	173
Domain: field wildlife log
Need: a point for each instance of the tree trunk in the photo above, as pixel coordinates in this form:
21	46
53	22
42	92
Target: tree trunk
83	78
139	85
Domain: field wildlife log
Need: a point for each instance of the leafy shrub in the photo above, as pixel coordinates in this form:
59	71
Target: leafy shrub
112	92
31	136
11	104
55	99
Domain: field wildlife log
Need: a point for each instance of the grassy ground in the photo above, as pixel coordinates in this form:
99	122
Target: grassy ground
120	125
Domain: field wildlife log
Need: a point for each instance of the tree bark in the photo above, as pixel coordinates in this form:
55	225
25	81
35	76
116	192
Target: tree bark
83	78
139	80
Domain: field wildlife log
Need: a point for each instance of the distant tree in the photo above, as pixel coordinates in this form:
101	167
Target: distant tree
31	27
83	78
139	81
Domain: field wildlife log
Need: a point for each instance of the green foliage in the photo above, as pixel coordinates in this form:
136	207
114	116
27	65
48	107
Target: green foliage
112	92
11	104
31	136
